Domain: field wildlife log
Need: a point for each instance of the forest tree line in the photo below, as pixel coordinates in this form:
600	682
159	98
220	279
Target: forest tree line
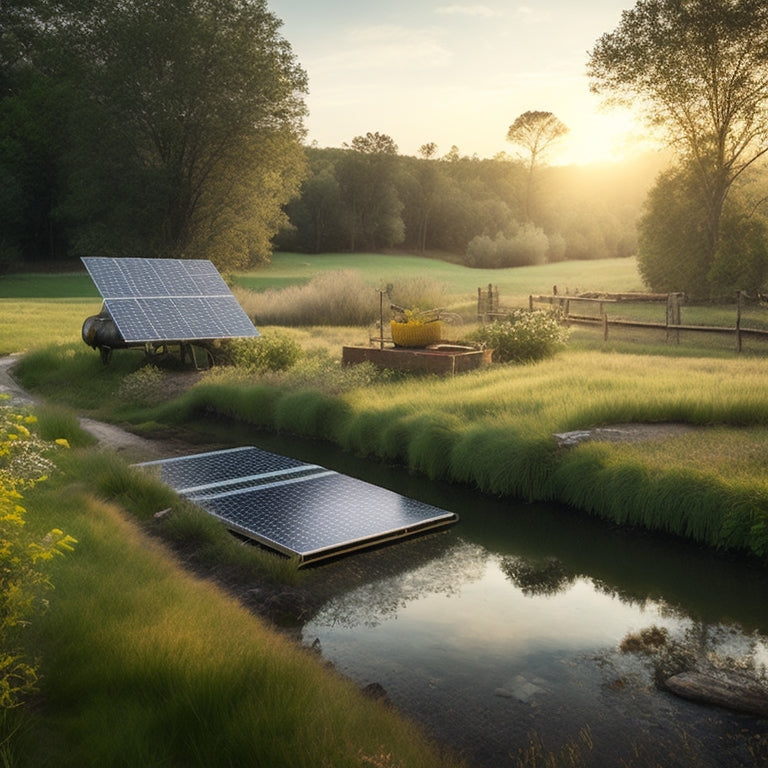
177	130
130	128
484	212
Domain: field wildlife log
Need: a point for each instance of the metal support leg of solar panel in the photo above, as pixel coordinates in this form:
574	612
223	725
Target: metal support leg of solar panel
298	509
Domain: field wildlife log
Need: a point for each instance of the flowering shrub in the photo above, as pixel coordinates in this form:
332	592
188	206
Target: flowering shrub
524	336
22	557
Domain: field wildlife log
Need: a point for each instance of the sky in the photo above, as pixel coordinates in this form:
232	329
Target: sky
454	72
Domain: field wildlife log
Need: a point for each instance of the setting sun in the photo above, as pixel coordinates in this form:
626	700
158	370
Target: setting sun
601	136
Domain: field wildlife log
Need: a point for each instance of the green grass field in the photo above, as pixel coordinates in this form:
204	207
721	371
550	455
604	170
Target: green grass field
459	429
462	282
118	646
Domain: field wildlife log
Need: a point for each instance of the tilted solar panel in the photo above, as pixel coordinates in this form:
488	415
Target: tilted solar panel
167	300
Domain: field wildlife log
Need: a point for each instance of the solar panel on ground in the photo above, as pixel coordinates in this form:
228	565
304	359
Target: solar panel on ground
295	508
164	300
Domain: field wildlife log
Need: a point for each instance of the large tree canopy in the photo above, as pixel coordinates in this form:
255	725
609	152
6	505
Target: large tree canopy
700	70
182	126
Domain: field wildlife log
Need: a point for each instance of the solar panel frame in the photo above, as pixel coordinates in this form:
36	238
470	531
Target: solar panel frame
168	300
299	509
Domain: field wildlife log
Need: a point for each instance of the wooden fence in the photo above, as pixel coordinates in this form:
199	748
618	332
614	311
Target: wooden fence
606	312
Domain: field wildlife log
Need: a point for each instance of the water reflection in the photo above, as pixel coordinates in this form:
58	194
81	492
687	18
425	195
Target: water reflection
486	649
381	600
514	623
537	577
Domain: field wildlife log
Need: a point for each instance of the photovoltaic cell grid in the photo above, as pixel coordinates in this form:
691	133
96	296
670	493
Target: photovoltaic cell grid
295	508
162	300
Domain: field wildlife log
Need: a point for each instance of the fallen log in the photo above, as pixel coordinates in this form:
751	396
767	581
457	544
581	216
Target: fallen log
730	692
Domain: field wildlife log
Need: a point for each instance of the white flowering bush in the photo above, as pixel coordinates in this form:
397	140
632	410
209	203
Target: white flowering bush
524	336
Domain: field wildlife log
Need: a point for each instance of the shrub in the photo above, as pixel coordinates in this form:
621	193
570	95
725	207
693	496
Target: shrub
528	245
269	352
524	336
143	386
22	556
337	298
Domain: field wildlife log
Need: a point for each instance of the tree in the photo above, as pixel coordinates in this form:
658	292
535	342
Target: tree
536	132
672	247
699	68
184	127
426	180
366	175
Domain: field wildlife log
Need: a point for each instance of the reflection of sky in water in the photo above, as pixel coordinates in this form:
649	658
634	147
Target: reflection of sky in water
467	603
506	646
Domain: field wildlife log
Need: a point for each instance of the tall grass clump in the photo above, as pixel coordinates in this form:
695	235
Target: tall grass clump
420	292
310	414
339	298
222	395
331	298
60	423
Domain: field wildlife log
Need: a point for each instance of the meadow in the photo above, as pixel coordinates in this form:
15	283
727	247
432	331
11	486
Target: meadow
493	430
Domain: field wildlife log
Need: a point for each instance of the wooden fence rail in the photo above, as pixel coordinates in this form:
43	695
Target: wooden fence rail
489	309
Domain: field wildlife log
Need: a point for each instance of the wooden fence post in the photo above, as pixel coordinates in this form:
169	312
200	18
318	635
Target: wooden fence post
738	321
673	314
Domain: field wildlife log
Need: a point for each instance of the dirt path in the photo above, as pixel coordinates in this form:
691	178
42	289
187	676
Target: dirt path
133	447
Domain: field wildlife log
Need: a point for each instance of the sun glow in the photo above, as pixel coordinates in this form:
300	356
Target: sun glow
600	137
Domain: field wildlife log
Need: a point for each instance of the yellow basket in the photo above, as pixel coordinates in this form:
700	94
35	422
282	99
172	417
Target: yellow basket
416	334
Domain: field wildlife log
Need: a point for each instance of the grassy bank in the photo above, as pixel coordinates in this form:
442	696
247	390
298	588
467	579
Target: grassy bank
143	664
495	429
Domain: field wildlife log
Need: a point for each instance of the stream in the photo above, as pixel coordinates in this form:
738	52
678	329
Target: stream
520	630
